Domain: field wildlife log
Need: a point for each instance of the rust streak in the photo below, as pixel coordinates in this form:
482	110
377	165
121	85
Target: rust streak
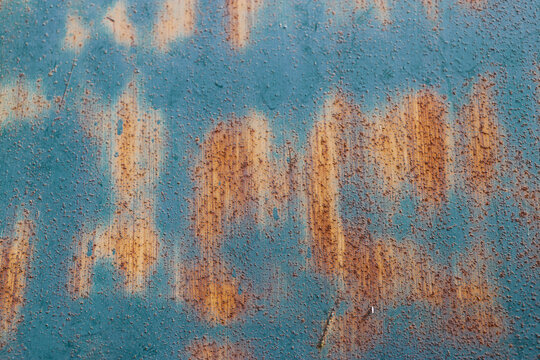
322	162
76	33
234	180
132	138
480	130
118	22
21	100
176	19
15	253
211	350
413	142
241	19
212	290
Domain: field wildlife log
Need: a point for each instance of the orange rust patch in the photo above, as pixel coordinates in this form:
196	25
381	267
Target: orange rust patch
134	143
15	252
22	100
482	144
413	141
176	19
331	145
390	273
80	272
475	314
234	177
241	17
211	350
387	274
323	193
212	290
356	331
118	22
135	168
76	33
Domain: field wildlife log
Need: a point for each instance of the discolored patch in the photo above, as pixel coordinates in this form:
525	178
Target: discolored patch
473	4
475	313
133	142
212	290
22	99
176	19
392	273
241	16
412	142
119	24
15	252
480	138
233	176
211	350
76	33
80	272
432	8
322	175
388	274
380	6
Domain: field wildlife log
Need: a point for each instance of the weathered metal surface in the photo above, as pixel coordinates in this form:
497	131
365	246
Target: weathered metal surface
236	179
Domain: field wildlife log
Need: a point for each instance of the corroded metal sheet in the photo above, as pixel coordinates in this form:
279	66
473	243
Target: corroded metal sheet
255	179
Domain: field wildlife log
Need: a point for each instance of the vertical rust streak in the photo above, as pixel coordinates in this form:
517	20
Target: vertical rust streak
15	254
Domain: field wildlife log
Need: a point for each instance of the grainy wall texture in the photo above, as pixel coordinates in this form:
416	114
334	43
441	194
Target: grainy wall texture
269	179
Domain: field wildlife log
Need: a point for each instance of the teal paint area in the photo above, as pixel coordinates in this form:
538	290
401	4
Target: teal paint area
58	168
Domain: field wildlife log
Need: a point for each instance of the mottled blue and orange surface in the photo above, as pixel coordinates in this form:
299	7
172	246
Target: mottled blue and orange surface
269	179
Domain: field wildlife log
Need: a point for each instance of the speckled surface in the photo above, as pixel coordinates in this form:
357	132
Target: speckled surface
256	179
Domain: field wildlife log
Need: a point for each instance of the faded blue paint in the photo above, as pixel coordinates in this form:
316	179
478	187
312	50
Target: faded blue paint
295	57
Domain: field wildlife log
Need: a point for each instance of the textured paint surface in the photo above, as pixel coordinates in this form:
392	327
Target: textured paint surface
256	179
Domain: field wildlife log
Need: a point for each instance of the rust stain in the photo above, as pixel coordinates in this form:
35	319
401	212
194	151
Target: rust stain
21	100
323	159
234	177
211	350
176	19
356	331
118	22
412	142
386	274
76	33
234	180
135	162
80	272
212	290
380	6
134	145
473	4
475	315
15	252
241	19
480	131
